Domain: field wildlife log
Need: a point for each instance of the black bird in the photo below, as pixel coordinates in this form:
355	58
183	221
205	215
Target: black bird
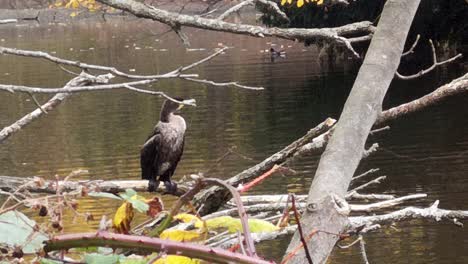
277	53
164	147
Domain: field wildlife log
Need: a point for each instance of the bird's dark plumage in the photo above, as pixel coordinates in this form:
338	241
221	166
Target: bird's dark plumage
164	147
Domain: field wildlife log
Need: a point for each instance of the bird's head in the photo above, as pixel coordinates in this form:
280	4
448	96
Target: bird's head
172	106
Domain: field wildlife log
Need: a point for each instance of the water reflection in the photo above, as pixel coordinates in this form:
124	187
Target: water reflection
102	132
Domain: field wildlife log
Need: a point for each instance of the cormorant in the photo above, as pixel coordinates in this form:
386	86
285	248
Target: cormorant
162	150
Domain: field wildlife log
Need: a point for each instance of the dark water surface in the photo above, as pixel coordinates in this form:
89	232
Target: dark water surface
103	131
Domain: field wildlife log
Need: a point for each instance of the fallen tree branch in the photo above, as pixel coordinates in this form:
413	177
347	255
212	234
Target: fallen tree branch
6	21
432	212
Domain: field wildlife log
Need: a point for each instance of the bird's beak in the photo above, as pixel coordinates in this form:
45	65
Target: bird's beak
191	102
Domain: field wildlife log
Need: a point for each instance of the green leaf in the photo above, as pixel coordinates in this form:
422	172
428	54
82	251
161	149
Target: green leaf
139	205
95	258
129	193
104	195
15	228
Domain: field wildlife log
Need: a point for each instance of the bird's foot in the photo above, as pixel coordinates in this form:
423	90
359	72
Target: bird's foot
153	185
171	187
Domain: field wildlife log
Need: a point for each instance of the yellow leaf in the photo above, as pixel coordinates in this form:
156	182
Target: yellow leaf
283	2
58	4
123	217
188	218
180	235
289	1
319	2
174	259
234	224
300	3
73	14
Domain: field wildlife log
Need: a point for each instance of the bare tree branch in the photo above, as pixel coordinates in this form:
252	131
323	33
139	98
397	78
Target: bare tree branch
331	35
411	50
235	8
432	67
455	87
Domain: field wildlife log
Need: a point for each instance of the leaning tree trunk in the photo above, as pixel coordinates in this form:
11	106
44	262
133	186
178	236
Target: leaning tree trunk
346	147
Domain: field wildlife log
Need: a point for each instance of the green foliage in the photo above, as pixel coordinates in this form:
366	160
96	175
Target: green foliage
96	258
16	229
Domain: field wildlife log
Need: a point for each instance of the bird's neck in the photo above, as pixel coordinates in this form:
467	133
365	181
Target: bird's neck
166	116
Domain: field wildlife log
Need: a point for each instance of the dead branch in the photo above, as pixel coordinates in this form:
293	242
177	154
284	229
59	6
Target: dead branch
273	6
435	63
385	204
364	174
411	50
332	35
455	87
432	212
81	80
365	185
8	183
234	9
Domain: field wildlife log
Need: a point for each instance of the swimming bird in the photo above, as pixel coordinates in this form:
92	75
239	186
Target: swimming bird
163	149
277	53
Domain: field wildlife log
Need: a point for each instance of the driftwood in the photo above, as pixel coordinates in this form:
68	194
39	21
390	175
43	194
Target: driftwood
346	147
36	184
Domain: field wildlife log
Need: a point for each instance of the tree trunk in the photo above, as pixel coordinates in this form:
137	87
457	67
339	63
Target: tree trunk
346	146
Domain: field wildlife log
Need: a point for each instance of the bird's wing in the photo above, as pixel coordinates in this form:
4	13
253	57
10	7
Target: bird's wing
149	155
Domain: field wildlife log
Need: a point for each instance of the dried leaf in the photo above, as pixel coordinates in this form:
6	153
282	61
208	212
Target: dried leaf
155	206
123	217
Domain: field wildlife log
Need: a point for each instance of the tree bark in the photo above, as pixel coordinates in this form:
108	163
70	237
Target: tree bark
346	146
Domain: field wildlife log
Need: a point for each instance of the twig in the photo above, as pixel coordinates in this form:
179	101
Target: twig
385	204
411	50
364	174
242	214
235	84
362	244
299	228
372	132
6	21
234	8
258	180
370	150
374	181
271	5
37	103
432	67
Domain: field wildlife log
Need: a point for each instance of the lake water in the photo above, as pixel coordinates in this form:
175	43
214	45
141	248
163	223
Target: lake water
103	131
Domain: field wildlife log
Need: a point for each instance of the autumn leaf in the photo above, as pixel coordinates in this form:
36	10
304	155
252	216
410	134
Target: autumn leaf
181	235
174	259
123	217
155	206
300	3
